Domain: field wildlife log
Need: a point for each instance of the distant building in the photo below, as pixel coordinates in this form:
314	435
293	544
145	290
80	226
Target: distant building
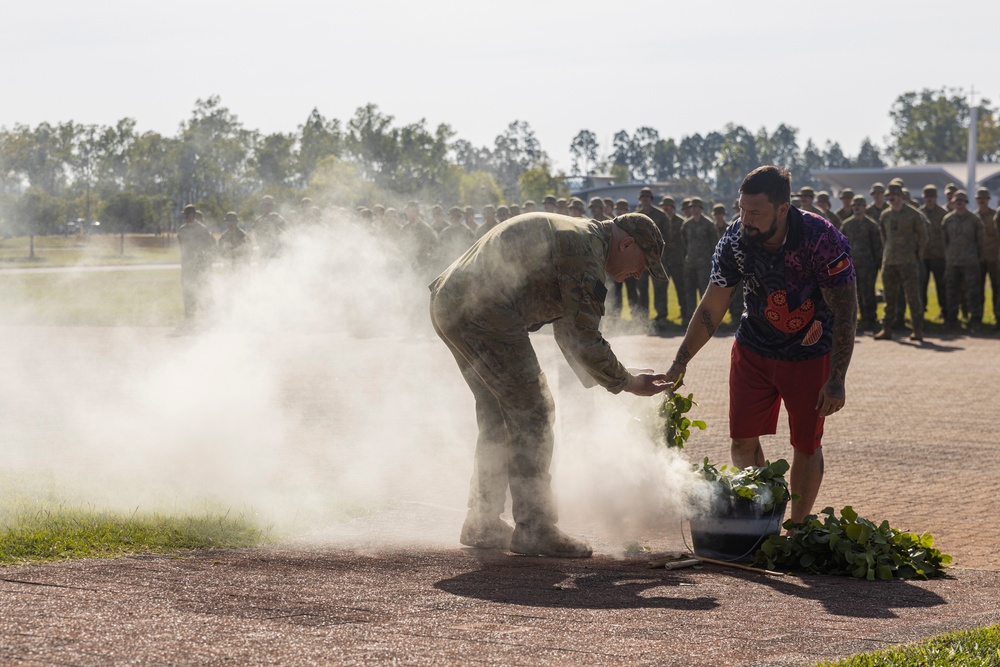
915	176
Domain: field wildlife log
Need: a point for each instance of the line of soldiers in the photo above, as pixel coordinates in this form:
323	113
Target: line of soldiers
892	234
909	243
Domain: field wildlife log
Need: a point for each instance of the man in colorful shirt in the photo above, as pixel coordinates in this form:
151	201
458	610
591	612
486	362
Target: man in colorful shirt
795	340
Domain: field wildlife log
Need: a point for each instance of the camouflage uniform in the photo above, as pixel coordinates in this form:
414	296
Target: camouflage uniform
419	245
934	262
197	251
989	264
268	230
453	240
904	235
673	258
659	218
700	237
963	243
536	269
234	248
866	253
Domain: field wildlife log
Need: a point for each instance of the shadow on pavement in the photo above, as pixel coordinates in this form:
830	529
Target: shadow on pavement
544	582
846	596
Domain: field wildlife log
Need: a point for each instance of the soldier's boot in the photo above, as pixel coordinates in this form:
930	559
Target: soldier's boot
918	331
485	532
544	539
885	333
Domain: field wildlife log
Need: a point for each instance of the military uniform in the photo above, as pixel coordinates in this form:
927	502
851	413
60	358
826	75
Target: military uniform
659	218
536	269
934	263
963	243
453	240
234	247
845	212
904	235
700	237
198	248
866	253
989	263
268	231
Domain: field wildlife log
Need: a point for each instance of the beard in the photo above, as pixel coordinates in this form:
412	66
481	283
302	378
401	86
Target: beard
757	237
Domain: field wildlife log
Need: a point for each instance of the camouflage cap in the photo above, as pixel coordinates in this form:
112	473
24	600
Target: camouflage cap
895	189
696	201
983	192
232	216
530	202
823	195
561	202
960	194
877	187
668	201
641	228
469	209
685	203
806	191
646	192
847	193
929	189
859	200
951	187
596	201
503	210
622	203
577	203
896	181
549	199
719	208
454	210
189	210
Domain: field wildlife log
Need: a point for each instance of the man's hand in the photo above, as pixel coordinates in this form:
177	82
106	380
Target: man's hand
675	374
831	397
647	385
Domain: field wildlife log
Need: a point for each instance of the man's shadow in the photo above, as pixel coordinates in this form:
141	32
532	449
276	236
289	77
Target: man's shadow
546	582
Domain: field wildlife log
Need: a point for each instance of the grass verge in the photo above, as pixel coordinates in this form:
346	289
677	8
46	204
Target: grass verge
59	534
979	647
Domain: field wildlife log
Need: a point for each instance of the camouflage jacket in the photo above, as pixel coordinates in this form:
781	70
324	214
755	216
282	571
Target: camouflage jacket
935	233
904	235
865	240
991	240
197	247
963	239
700	238
536	269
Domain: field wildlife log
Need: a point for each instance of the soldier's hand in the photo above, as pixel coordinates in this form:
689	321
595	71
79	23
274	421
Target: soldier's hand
647	385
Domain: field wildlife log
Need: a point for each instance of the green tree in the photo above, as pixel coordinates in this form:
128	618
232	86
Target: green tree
273	160
318	138
869	156
515	151
479	188
583	150
538	181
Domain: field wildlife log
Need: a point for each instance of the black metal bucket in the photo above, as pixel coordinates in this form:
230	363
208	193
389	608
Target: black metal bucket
734	531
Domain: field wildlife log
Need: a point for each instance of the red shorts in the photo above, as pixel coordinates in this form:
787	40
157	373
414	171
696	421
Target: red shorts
758	385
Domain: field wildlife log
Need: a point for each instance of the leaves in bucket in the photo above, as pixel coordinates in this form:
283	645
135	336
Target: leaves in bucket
854	546
761	484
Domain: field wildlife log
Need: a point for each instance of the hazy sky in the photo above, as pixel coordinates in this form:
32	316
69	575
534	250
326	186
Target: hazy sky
830	69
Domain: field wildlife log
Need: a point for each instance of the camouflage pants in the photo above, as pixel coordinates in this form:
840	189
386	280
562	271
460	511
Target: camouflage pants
194	289
957	276
696	275
991	269
867	303
907	276
675	269
935	267
514	410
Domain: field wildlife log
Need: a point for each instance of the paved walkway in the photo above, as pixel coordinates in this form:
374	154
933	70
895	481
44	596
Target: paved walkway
916	445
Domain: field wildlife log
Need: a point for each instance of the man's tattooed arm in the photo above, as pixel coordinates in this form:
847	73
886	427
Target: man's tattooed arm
843	301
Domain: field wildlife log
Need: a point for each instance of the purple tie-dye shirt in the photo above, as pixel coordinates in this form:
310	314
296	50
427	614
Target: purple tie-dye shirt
784	315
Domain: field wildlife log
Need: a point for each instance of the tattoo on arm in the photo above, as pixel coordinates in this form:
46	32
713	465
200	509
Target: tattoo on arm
706	320
683	355
843	301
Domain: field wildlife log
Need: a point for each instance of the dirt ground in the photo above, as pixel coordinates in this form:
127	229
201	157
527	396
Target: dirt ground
916	445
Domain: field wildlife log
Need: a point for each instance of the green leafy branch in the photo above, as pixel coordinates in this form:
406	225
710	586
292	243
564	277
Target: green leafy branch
853	546
752	483
677	427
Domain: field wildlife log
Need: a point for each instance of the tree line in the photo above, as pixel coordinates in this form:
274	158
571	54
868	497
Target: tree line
138	181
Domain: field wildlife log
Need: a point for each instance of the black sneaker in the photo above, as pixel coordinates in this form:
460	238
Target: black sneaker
547	540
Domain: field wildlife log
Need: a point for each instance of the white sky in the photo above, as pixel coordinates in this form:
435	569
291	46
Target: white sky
832	70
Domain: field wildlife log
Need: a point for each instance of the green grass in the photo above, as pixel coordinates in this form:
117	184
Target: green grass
100	298
96	250
61	533
979	647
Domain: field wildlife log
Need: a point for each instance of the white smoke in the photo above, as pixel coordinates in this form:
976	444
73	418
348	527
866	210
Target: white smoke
316	392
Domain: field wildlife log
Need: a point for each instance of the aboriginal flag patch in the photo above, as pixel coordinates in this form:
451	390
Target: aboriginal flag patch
839	265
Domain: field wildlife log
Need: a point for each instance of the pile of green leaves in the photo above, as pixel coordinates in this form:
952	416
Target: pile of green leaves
854	546
675	426
762	484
